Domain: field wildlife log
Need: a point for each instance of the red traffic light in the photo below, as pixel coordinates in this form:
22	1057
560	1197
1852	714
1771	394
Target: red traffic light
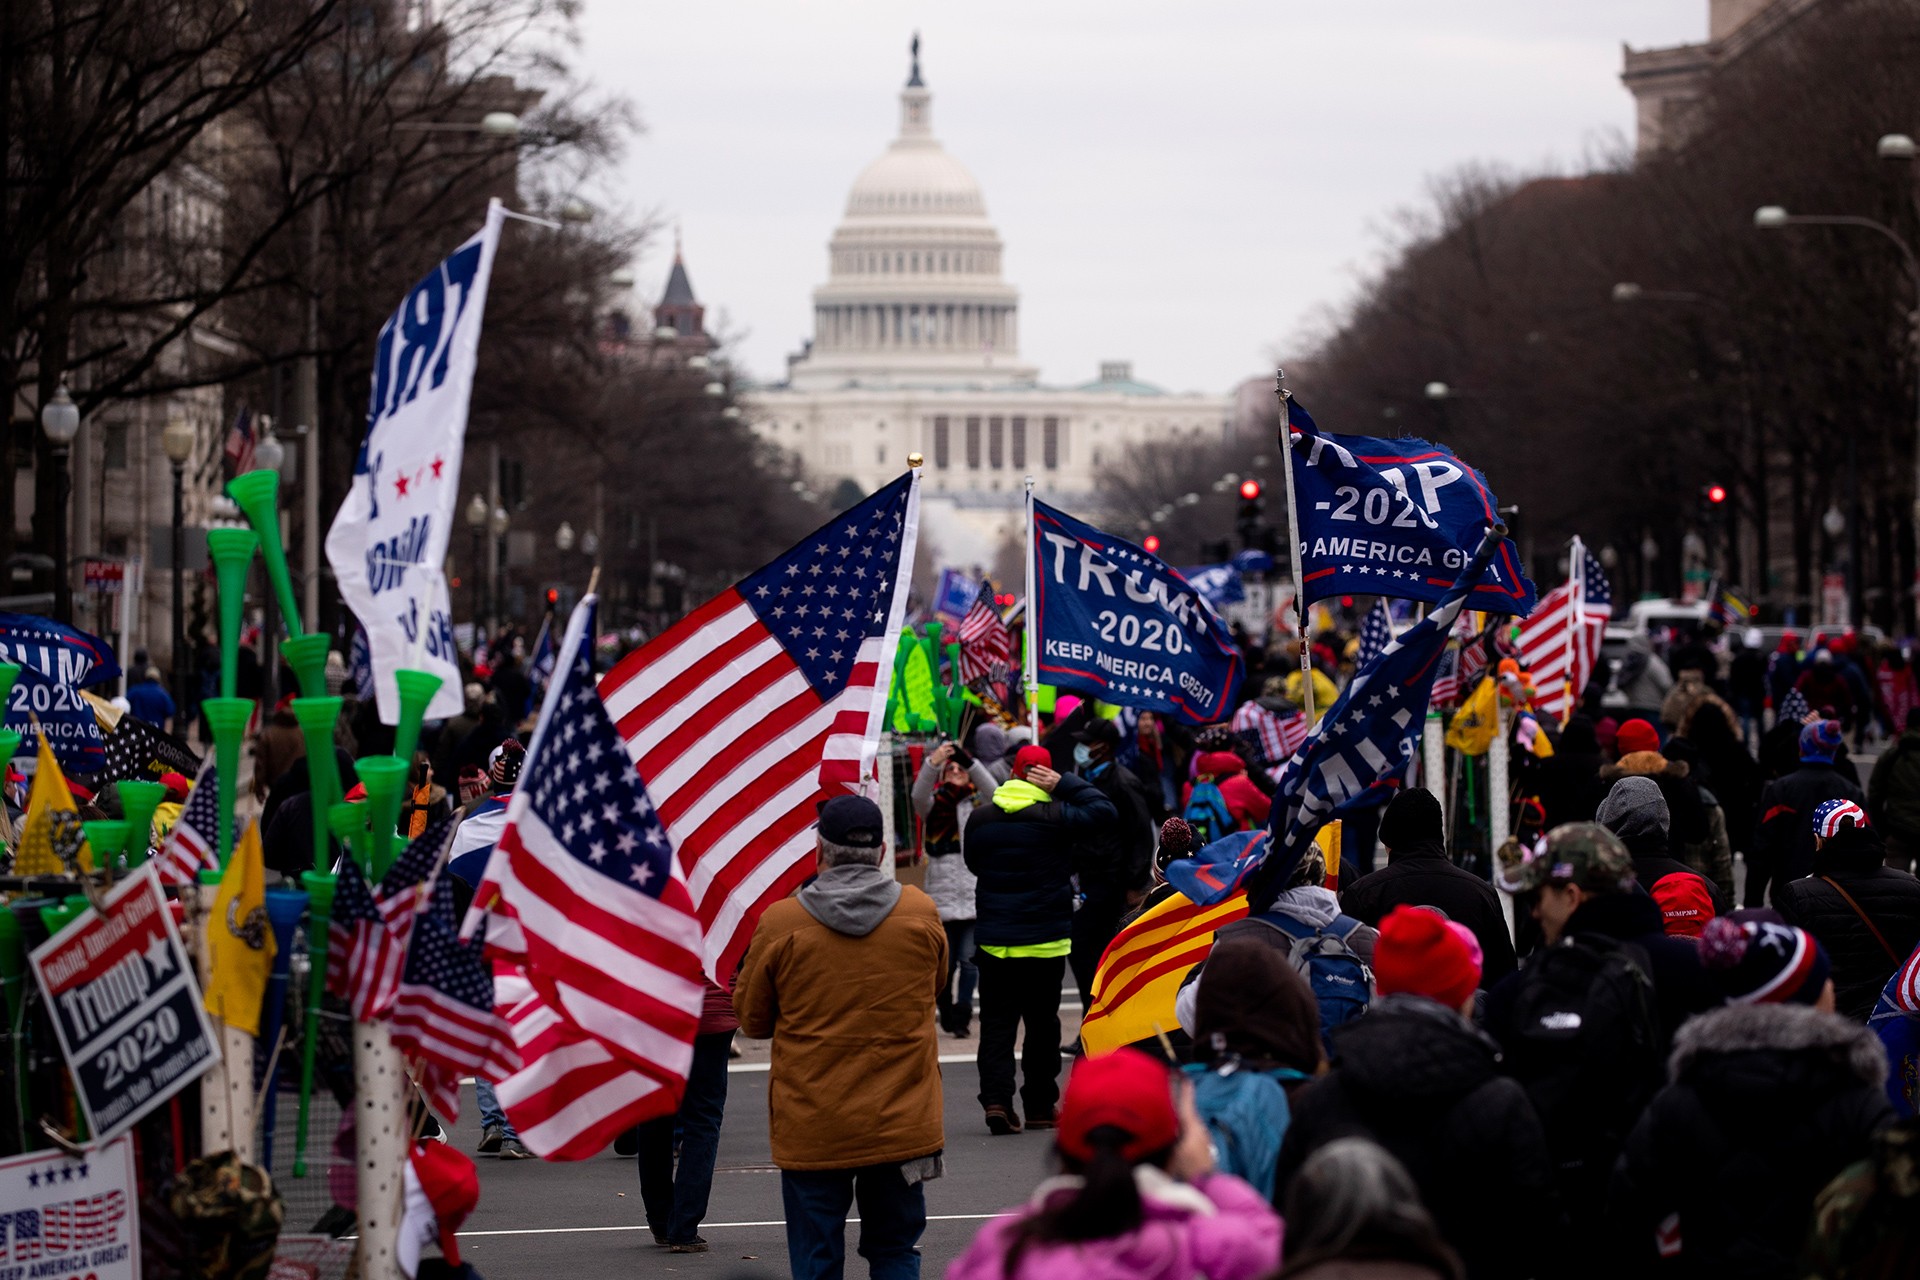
1716	494
1004	599
553	597
1249	489
1152	544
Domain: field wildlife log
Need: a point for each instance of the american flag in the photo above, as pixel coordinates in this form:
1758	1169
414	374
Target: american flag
986	646
763	702
189	849
367	935
241	439
443	1013
1560	639
1277	735
597	915
1374	634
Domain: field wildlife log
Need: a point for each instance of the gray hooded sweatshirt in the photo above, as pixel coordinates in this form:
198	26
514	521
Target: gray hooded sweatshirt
852	898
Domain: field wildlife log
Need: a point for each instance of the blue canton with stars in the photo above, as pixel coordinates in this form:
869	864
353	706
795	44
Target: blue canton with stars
582	785
437	958
833	590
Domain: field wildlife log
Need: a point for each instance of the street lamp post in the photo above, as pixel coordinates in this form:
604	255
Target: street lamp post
496	590
60	419
1773	217
477	514
178	441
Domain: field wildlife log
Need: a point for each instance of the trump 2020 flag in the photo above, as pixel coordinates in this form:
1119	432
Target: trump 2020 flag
1355	757
1117	623
390	537
1396	518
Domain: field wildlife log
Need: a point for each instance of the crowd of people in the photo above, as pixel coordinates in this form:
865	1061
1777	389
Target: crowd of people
1691	1052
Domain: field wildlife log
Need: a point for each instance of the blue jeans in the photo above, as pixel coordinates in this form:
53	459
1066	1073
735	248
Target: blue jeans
490	1109
676	1200
892	1216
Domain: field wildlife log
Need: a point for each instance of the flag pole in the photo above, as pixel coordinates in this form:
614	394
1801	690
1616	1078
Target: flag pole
1032	673
1293	540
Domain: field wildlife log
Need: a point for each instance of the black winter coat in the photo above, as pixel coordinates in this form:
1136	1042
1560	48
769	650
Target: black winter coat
1861	966
1118	855
1653	862
1783	849
1423	876
1414	1077
1681	988
1768	1102
1024	863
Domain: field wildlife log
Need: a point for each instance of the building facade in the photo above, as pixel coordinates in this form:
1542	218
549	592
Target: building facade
1666	84
916	349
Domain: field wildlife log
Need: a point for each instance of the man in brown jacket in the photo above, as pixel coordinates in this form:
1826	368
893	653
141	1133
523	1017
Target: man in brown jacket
843	977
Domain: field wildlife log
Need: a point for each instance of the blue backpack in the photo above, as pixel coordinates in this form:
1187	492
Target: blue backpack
1208	815
1246	1115
1342	983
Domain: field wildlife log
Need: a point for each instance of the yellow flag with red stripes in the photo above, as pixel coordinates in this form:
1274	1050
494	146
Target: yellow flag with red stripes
1142	969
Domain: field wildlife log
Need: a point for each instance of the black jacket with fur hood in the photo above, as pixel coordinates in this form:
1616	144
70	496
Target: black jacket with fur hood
1767	1103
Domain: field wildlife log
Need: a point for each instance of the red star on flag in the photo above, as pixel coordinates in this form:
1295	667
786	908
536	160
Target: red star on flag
400	485
437	465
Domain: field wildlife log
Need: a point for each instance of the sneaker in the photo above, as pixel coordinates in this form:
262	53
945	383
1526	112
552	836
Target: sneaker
1001	1121
514	1149
695	1245
490	1139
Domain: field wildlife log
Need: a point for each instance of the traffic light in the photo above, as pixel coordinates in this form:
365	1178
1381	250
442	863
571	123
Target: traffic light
1716	494
553	598
1251	523
1152	544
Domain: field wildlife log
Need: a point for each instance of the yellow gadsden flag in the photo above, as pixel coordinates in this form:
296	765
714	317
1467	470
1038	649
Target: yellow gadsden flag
239	940
51	841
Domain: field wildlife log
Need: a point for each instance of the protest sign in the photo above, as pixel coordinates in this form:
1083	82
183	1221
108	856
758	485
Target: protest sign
70	1216
125	1005
1117	623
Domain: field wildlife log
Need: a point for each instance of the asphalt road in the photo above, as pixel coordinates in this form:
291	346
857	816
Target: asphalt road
584	1219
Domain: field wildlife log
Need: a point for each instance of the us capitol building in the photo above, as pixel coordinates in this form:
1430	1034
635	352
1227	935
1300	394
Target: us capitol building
916	348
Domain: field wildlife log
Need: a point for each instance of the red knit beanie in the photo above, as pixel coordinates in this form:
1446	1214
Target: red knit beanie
1637	735
1029	757
1419	955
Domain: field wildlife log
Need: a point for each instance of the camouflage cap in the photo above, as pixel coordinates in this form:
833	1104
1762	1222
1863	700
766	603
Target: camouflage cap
1582	853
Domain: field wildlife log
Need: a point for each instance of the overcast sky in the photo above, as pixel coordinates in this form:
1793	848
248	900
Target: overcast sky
1190	185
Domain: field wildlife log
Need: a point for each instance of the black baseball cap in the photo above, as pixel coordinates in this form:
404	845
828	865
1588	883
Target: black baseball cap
852	821
1099	731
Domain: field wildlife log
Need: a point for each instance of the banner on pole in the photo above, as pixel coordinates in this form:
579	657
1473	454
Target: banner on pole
953	597
1396	518
390	537
66	1217
56	662
125	1005
1118	623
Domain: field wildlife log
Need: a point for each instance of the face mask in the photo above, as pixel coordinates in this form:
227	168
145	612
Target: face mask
1082	755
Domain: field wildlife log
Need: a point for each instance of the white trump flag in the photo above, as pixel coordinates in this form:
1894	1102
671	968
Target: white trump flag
389	540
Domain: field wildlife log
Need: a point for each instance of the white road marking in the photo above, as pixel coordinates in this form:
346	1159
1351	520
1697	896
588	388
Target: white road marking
705	1226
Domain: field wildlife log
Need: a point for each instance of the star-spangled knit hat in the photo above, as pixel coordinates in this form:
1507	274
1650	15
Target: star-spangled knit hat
1835	814
1761	960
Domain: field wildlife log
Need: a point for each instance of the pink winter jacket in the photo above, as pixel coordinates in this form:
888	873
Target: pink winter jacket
1218	1227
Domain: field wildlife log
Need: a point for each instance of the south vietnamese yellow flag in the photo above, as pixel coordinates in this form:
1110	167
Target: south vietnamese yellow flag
240	943
51	841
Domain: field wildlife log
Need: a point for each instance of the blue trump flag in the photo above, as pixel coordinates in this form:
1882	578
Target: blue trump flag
56	662
1395	518
1357	756
1119	624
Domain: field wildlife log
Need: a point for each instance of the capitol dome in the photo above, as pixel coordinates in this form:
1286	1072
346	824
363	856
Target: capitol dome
914	294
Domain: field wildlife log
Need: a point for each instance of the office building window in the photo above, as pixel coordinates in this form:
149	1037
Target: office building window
1050	443
996	428
939	444
1017	436
973	444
